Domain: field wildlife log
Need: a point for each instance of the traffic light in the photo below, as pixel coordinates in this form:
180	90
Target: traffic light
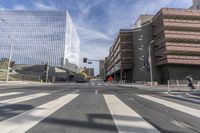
146	62
84	60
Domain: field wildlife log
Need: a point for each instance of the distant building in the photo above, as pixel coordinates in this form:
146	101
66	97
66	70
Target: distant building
119	61
39	37
71	67
90	72
102	69
129	50
196	5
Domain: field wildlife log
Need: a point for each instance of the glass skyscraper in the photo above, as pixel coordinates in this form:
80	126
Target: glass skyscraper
39	37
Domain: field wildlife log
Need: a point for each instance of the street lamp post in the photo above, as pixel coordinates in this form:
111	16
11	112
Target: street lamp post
10	57
150	61
11	49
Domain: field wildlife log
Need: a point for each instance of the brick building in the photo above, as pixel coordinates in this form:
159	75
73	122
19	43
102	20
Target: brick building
176	34
119	60
130	48
173	36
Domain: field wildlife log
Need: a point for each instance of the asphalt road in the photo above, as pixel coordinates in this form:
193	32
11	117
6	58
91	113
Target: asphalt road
96	107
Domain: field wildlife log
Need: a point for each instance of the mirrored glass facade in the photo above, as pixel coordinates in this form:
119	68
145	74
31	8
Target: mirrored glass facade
39	37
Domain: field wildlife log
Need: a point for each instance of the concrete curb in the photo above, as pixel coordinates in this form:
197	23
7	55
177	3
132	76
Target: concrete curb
154	88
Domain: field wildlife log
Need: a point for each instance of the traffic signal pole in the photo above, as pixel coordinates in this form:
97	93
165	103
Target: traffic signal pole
47	71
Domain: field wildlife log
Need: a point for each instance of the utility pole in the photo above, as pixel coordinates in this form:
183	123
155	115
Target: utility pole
11	48
150	62
9	61
47	71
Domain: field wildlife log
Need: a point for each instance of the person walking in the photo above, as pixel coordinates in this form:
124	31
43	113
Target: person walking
190	82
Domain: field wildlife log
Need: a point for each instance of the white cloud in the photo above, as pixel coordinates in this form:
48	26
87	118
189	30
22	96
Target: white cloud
85	6
2	8
42	6
20	7
87	34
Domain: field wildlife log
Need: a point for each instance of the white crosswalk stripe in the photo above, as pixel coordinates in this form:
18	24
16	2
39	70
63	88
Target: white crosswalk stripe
21	99
176	106
10	93
23	122
126	119
183	97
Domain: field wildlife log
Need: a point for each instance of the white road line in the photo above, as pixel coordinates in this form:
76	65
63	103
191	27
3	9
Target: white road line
126	119
75	91
21	99
193	96
23	122
10	93
179	107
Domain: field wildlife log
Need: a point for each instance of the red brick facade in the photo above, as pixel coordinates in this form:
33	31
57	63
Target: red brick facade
177	36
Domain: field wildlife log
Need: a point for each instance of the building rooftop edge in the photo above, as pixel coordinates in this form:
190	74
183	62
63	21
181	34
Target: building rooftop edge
12	10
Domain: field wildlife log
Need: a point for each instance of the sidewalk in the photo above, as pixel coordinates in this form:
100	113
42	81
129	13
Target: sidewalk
163	88
18	83
31	83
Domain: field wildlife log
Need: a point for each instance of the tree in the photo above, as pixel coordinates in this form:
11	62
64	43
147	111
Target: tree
82	75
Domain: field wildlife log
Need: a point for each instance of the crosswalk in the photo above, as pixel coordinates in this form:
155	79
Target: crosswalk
98	84
179	107
26	120
131	122
127	119
9	94
21	99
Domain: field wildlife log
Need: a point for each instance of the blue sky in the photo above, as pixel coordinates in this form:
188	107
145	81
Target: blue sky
97	21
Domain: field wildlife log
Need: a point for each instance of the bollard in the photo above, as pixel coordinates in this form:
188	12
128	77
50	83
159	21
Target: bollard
177	82
168	84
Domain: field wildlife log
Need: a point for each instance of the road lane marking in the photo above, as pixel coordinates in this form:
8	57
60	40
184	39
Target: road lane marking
10	93
193	96
179	107
184	98
23	122
75	91
126	119
183	125
21	99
